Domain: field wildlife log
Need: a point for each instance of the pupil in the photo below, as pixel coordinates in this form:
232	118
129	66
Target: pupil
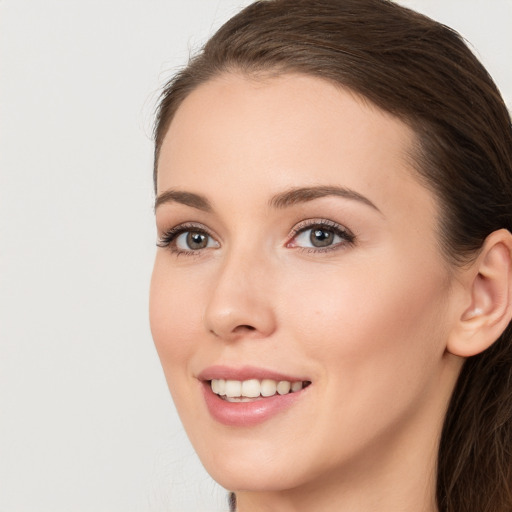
321	237
196	240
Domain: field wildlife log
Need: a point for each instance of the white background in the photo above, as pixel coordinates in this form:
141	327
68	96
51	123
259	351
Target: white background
86	423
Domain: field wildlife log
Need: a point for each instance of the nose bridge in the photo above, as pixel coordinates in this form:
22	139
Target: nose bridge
240	302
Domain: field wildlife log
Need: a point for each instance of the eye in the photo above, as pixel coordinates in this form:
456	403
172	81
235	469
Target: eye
321	235
193	240
185	239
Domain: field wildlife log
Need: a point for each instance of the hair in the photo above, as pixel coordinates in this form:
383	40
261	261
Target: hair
423	73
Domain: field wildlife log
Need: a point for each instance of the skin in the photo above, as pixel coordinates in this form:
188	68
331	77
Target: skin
366	321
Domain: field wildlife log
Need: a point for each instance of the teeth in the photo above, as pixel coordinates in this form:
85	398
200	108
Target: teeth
219	386
284	387
253	388
268	387
296	386
233	388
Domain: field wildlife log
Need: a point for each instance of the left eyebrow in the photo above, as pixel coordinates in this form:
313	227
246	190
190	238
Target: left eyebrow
299	195
187	198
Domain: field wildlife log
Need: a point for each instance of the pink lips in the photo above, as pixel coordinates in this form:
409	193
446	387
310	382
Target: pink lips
244	414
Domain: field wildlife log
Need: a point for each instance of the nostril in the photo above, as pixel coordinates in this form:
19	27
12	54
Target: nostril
237	329
243	327
248	327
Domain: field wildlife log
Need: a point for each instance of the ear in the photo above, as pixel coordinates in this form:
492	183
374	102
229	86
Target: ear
488	285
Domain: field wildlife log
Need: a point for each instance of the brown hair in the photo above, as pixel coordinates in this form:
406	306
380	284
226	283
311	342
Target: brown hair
423	73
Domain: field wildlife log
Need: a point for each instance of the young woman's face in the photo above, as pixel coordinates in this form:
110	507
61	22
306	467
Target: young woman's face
298	250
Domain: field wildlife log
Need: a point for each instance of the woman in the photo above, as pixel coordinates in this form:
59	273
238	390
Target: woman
331	295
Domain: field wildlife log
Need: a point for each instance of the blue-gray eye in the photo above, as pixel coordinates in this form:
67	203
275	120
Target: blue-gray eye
321	235
318	237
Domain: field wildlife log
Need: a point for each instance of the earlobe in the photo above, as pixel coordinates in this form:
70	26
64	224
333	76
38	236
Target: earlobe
489	286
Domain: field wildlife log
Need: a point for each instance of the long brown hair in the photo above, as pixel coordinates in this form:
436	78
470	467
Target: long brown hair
423	73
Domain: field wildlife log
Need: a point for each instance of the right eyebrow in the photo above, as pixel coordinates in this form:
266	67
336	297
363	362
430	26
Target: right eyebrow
186	198
299	195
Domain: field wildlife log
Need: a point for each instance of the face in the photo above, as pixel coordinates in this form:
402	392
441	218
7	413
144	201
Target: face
297	258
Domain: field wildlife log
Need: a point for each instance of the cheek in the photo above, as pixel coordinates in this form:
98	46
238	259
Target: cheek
377	331
175	318
377	344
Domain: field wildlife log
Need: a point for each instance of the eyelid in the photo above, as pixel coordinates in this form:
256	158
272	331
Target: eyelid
166	239
342	231
311	223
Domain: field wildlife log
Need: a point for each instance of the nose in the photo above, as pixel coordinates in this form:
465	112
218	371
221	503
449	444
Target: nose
240	304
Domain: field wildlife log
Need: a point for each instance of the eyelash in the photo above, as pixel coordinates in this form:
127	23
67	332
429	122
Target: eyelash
347	237
168	238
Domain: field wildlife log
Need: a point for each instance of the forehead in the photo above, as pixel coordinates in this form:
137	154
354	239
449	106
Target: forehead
285	131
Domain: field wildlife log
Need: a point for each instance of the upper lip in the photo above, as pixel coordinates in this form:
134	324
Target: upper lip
245	373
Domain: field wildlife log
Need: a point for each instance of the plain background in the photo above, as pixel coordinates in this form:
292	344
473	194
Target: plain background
86	423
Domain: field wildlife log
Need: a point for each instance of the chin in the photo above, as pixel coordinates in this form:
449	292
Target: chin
254	468
253	478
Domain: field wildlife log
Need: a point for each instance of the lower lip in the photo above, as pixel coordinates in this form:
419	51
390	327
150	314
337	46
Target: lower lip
246	414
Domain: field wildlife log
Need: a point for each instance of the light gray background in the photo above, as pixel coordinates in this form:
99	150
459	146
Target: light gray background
86	423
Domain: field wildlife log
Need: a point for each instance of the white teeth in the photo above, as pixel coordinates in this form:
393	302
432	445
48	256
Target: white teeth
239	399
221	387
283	387
243	391
251	388
233	388
268	387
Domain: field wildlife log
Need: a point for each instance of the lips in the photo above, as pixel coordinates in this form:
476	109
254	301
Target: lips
247	396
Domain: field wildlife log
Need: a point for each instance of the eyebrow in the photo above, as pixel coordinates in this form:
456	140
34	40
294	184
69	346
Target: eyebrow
186	198
304	194
282	200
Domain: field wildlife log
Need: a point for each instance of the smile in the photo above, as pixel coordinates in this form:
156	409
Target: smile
254	389
247	396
